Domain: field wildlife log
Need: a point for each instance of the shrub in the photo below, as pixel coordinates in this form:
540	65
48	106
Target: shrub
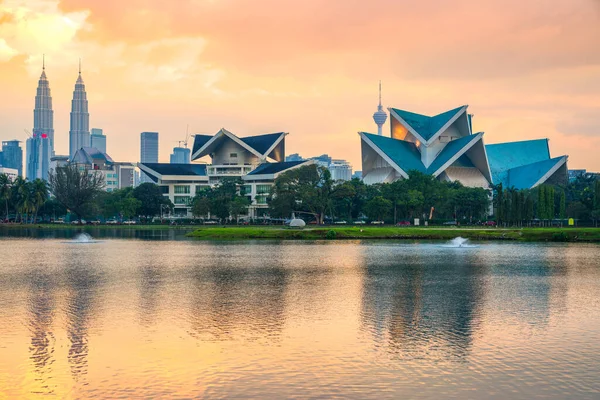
331	234
560	237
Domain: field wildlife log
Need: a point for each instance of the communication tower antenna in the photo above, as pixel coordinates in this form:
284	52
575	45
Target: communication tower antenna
187	135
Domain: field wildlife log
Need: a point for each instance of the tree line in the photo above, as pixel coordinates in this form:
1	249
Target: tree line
305	191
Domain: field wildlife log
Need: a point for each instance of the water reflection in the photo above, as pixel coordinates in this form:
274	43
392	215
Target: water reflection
424	312
82	281
41	304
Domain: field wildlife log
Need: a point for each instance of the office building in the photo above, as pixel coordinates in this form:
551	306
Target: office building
43	114
257	160
98	140
79	133
116	175
39	154
148	151
12	156
10	172
341	170
181	155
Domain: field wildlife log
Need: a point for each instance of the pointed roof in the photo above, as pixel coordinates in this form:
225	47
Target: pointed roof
87	155
452	151
505	156
273	168
261	146
403	154
530	175
425	126
177	169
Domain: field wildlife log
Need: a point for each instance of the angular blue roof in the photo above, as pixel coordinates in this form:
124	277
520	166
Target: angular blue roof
177	169
89	154
424	125
525	176
505	156
199	141
404	154
262	143
273	168
451	149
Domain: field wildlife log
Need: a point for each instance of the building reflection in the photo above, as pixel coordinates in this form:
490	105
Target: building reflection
41	307
421	311
231	302
83	283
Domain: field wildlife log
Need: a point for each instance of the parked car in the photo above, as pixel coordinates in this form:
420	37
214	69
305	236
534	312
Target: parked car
112	222
59	221
489	223
340	222
210	222
361	222
403	223
77	222
95	222
377	222
449	223
129	222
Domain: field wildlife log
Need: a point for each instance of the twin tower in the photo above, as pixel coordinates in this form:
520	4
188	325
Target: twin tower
40	147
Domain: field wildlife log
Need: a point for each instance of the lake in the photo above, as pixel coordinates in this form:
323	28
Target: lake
130	318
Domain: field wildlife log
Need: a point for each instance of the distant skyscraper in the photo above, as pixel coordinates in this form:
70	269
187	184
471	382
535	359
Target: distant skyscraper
12	155
148	151
38	157
181	155
380	116
79	134
98	140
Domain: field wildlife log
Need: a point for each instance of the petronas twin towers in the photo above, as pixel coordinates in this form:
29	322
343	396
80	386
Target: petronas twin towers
40	147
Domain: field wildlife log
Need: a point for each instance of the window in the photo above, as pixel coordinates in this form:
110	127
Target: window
182	189
186	200
199	188
164	189
245	189
261	199
232	155
263	189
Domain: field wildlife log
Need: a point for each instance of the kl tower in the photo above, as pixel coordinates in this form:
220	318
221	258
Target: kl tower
380	116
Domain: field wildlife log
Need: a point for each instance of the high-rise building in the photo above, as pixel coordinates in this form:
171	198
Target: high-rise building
148	151
380	115
98	140
181	155
12	155
79	134
43	115
341	170
39	154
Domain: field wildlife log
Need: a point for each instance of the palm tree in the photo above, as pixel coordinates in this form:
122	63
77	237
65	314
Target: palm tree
39	194
5	190
17	190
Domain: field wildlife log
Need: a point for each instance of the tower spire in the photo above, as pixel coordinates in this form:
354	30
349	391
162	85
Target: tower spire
380	116
80	66
43	62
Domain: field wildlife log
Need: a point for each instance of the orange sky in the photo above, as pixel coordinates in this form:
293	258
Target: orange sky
527	69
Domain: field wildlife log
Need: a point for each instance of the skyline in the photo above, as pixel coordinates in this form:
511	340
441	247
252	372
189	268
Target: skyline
527	71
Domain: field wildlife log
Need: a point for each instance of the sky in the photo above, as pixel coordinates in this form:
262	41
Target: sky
527	69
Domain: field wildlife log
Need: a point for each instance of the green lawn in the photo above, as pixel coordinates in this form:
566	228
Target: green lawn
368	232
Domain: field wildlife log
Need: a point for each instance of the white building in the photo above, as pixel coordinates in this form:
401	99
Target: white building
257	160
116	175
11	172
341	170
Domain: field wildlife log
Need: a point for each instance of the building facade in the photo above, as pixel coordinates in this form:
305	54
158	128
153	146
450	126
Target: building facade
12	156
10	172
43	114
98	140
116	175
257	160
79	133
39	154
148	151
341	170
181	155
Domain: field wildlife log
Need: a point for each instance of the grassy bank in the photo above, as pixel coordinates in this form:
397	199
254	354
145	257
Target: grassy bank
526	234
84	227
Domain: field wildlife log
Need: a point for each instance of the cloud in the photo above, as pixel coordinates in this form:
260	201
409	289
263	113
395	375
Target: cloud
582	124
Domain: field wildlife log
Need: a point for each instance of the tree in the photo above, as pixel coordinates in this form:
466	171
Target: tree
151	199
541	205
562	208
74	189
129	206
5	190
239	205
39	194
378	208
596	208
200	206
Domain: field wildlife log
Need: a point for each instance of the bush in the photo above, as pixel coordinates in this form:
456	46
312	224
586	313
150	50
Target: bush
331	234
560	237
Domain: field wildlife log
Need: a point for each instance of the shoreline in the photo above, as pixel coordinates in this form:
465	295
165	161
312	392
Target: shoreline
567	234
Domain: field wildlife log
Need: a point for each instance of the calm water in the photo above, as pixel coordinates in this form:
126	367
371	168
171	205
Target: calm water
182	319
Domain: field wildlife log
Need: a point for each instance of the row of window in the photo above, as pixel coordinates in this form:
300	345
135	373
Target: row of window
113	183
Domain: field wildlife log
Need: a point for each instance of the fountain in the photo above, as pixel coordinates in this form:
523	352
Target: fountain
459	242
82	238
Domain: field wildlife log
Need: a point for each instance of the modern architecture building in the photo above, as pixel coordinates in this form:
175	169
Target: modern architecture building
341	170
43	114
380	115
98	140
257	160
294	157
12	156
181	155
445	146
39	153
583	173
116	175
526	164
79	133
148	151
10	172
